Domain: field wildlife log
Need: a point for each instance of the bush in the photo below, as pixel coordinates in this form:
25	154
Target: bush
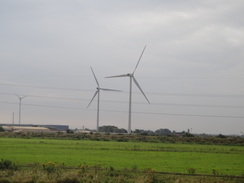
69	180
69	131
1	129
221	136
7	165
49	167
215	172
191	170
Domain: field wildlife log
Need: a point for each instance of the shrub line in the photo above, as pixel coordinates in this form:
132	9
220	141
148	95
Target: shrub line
139	171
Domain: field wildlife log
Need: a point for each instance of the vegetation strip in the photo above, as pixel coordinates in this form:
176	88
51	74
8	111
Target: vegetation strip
139	171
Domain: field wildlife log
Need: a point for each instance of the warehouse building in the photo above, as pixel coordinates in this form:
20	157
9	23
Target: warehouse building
34	128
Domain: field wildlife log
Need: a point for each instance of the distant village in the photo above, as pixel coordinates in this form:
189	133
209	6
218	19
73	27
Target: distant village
33	128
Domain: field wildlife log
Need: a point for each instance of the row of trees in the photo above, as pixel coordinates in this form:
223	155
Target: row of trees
160	131
111	129
114	129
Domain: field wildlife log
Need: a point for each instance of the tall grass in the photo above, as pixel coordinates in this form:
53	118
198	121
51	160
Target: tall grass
98	174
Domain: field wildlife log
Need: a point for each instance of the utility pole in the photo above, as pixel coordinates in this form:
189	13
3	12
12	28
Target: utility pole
13	118
20	99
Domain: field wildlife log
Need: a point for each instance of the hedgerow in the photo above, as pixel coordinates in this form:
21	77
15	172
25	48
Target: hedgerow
196	139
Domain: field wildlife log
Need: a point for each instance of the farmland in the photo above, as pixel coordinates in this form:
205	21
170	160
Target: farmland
159	157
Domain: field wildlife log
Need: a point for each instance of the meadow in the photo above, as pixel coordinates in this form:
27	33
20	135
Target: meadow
160	157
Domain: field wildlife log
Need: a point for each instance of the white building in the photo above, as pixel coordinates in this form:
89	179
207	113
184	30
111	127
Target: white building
25	129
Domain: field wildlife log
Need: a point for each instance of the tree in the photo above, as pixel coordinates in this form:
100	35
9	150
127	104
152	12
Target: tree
111	129
221	136
69	131
1	129
164	131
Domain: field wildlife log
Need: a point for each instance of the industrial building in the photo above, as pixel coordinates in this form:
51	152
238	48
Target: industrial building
34	128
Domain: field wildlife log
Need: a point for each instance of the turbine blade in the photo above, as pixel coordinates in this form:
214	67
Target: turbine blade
139	59
122	75
95	77
137	84
92	98
105	89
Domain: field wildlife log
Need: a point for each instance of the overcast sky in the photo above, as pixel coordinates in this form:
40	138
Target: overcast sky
192	70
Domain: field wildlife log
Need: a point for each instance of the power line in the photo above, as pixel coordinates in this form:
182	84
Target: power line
199	95
125	102
44	87
175	114
199	105
58	98
48	106
148	113
192	115
149	93
38	96
179	105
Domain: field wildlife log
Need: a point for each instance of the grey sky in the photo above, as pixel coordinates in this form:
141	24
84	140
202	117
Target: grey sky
192	70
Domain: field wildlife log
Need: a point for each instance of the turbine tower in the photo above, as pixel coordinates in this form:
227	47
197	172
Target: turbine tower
98	96
131	76
20	99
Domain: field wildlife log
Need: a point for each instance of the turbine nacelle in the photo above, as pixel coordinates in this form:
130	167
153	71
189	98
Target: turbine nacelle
134	80
98	88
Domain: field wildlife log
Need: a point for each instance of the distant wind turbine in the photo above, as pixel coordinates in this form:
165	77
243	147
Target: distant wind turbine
131	75
98	96
20	99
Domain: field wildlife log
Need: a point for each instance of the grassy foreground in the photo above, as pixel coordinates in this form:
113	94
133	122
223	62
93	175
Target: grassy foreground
119	158
227	160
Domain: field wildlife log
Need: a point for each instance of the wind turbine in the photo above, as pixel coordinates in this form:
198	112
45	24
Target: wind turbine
98	96
131	76
20	99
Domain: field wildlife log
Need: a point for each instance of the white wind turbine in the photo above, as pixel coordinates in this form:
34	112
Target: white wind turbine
98	97
131	75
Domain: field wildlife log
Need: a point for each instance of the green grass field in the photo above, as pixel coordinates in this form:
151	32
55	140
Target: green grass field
165	157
